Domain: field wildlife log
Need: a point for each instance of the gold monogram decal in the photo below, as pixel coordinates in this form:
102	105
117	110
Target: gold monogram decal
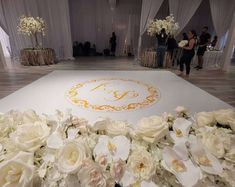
117	95
124	99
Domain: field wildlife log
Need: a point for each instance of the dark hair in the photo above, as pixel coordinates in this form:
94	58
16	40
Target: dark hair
215	37
163	30
193	32
185	37
205	27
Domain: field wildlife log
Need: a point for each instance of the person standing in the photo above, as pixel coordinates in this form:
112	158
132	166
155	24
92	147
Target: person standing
214	41
113	44
188	53
161	48
204	40
171	45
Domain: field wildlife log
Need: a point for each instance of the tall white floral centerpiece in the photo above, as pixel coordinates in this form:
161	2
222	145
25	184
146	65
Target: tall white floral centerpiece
169	24
32	26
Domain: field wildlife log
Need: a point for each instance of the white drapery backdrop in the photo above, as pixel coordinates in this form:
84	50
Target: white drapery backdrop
94	21
201	18
2	17
56	15
148	12
222	14
183	11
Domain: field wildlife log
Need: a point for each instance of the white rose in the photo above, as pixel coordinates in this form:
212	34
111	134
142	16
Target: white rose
205	119
152	129
81	124
181	111
16	117
141	164
230	156
30	116
29	137
91	174
115	128
18	171
89	141
70	157
224	116
6	123
217	141
232	124
138	145
111	127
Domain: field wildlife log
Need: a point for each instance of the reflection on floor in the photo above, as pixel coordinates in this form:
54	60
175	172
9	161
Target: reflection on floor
216	82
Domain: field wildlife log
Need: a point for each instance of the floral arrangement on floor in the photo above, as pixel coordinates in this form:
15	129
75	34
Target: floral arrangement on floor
64	150
31	26
169	24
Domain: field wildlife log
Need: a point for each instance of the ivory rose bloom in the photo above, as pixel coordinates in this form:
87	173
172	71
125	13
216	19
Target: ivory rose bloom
181	111
223	116
217	141
70	157
91	175
205	119
30	116
112	127
5	125
115	128
141	164
152	129
29	137
226	117
17	172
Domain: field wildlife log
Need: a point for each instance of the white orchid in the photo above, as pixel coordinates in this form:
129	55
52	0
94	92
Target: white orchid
181	129
114	148
184	170
205	159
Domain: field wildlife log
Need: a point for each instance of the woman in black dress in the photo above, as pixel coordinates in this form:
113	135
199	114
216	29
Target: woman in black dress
188	53
113	44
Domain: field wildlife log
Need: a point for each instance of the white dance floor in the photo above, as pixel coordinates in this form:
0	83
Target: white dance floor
122	95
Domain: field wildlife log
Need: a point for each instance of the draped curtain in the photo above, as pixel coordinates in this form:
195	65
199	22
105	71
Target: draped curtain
94	21
56	16
222	13
148	12
197	23
183	11
2	17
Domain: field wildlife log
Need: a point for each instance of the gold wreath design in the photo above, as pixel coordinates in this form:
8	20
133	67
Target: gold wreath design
153	97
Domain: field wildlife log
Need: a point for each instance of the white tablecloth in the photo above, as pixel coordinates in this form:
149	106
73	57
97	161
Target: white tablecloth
212	59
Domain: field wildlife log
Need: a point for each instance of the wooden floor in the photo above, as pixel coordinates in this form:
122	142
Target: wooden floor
215	82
